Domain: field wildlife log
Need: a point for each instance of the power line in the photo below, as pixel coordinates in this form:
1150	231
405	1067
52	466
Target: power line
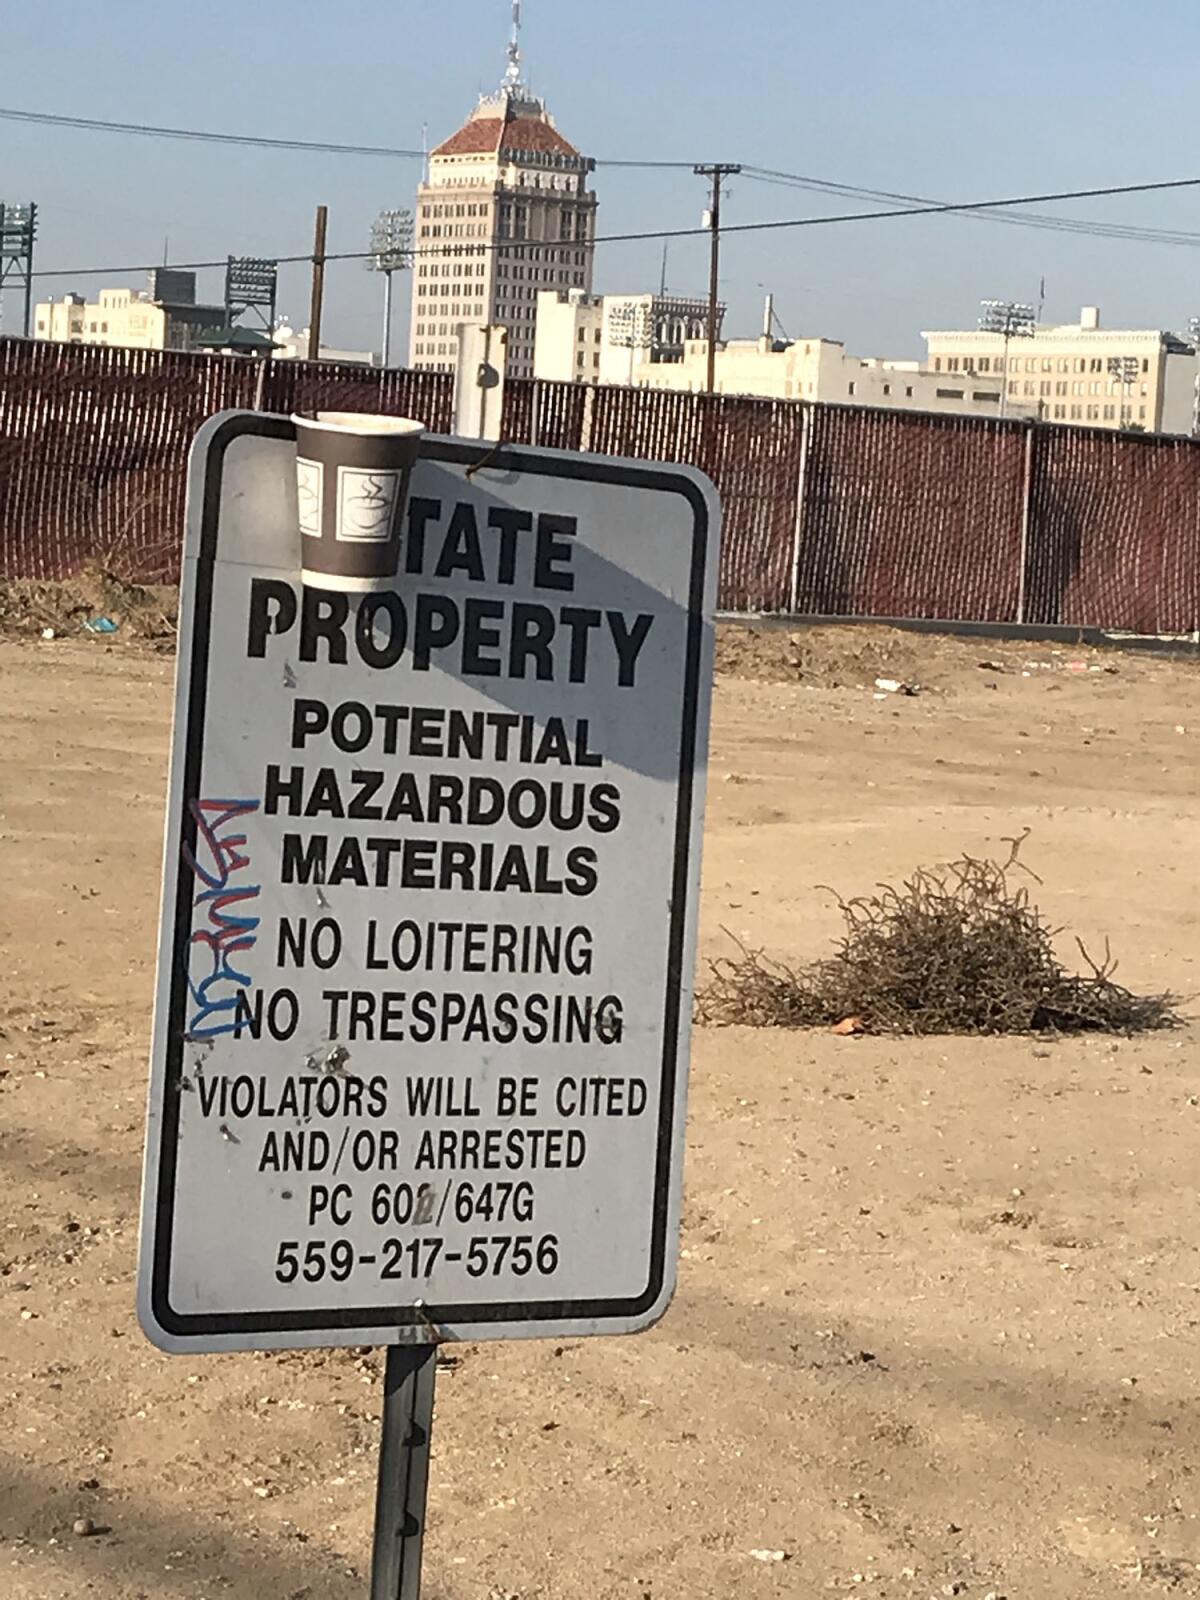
442	250
937	208
1115	230
759	174
195	135
201	136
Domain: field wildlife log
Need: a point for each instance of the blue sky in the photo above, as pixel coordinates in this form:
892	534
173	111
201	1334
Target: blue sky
948	98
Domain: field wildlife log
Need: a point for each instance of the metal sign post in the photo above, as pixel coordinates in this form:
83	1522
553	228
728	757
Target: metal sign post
428	920
402	1490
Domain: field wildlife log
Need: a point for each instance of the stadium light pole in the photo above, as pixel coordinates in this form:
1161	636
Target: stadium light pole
18	229
1124	370
1012	319
391	251
251	284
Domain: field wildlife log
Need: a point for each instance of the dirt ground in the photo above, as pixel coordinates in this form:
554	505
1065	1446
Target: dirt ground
937	1326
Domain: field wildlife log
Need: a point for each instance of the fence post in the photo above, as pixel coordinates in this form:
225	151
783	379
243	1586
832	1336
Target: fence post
806	423
1026	520
479	381
585	425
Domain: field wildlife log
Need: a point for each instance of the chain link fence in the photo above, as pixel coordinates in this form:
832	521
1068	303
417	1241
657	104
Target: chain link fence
828	510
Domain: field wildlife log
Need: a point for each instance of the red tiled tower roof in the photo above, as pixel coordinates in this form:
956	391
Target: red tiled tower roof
502	135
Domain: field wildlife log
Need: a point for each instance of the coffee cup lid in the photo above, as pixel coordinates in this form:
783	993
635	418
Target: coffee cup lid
358	422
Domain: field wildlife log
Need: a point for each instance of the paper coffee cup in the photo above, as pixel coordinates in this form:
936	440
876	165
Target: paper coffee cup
353	471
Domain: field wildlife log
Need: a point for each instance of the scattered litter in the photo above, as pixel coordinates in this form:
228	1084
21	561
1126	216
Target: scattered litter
1077	666
769	1555
847	1026
48	633
896	686
991	666
101	625
1179	728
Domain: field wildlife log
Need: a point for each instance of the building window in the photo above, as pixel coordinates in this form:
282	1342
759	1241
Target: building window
1142	413
1093	413
908	391
949	394
1109	413
1047	364
1076	413
887	388
1045	386
937	362
851	388
1060	411
985	364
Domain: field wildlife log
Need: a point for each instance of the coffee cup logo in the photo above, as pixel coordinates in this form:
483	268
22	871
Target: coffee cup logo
352	478
310	477
367	503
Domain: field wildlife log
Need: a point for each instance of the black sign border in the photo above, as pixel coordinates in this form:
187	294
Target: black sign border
227	1325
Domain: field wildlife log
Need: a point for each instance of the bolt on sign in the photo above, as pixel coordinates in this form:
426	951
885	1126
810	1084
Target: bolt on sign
429	897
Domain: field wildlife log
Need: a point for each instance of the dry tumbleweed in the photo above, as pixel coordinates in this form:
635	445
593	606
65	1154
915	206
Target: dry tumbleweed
954	949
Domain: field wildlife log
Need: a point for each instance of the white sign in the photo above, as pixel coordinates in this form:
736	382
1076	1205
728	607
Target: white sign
429	906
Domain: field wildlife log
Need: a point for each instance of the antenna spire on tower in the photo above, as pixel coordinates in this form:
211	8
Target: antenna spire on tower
512	75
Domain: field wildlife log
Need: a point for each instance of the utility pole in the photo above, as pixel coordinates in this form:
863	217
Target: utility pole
318	284
717	172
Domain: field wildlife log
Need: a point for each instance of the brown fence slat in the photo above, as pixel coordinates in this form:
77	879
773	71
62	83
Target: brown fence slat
911	516
1117	520
750	449
94	443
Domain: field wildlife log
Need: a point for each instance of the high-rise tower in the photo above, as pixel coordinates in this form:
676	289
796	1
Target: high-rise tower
504	211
